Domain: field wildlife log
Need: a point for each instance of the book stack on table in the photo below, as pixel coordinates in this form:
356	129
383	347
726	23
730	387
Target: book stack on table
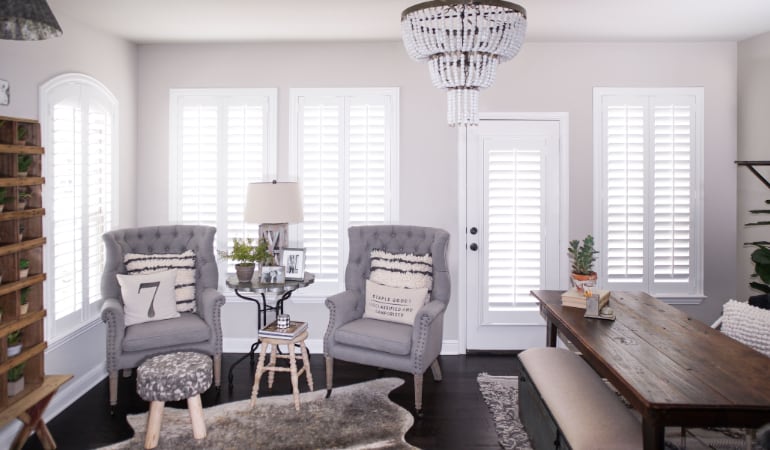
293	330
575	299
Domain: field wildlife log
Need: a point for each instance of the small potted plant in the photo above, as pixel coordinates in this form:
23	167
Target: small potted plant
1	313
23	300
244	253
21	134
15	380
24	162
21	232
3	194
582	257
24	197
761	259
23	268
14	343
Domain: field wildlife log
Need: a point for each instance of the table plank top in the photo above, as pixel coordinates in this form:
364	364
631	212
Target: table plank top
661	359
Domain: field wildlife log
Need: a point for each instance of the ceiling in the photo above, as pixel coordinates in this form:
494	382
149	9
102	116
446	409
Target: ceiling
155	21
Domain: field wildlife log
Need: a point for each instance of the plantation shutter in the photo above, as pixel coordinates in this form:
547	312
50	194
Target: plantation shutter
514	226
649	219
344	151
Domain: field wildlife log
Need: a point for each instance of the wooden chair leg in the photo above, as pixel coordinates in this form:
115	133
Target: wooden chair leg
329	375
436	369
306	365
217	370
154	420
418	394
113	387
258	375
196	416
294	377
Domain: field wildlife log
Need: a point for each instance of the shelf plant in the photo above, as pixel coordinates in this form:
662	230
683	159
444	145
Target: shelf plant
23	268
14	343
15	380
24	162
24	299
3	197
583	256
21	134
24	196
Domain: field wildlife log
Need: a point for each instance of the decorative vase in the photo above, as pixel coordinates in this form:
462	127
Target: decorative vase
14	387
244	272
582	281
24	308
14	349
23	273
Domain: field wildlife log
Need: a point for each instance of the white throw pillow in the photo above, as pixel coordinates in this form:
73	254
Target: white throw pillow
393	304
148	297
184	263
747	324
405	270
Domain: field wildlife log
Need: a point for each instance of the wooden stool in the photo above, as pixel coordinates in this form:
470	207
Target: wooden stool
272	367
172	377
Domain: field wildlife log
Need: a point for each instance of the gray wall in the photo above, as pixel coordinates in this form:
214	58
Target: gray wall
543	77
753	144
27	65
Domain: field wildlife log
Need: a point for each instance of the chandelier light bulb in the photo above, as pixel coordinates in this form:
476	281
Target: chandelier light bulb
463	41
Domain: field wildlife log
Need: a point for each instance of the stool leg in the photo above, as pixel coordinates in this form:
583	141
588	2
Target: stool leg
306	365
294	378
153	424
196	416
273	361
258	375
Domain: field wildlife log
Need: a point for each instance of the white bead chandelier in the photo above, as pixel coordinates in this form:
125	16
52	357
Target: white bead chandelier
463	41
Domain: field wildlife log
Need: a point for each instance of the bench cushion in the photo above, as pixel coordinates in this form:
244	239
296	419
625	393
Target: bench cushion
588	413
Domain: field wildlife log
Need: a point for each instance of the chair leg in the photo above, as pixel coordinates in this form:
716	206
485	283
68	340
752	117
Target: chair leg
126	373
113	387
418	394
436	369
329	375
217	370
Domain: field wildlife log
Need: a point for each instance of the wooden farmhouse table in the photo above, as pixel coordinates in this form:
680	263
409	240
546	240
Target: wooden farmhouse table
674	370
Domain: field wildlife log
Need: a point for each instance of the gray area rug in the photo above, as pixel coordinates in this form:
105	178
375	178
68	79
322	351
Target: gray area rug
501	394
359	416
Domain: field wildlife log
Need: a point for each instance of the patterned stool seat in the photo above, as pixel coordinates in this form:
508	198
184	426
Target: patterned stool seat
172	377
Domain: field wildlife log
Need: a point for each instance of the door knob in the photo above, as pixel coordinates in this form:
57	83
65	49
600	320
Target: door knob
474	230
474	247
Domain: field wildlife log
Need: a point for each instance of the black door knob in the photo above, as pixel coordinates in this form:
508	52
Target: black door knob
474	230
474	247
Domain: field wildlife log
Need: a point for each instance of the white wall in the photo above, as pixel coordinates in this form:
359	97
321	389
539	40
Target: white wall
26	65
753	144
553	77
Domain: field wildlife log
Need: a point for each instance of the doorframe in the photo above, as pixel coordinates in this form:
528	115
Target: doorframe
462	186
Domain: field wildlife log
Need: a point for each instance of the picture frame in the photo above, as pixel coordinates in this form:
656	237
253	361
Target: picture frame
272	275
293	262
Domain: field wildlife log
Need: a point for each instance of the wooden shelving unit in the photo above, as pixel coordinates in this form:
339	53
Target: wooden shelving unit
21	238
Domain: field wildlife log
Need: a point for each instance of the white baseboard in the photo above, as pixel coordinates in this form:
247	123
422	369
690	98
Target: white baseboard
67	395
243	345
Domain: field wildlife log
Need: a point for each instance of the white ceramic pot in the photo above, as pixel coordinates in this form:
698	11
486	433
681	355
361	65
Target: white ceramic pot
14	350
25	308
23	273
15	387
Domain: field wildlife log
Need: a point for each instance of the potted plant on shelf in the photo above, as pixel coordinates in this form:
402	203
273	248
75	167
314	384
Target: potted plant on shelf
15	380
3	194
582	257
24	162
23	268
244	253
14	343
24	197
21	232
23	300
21	134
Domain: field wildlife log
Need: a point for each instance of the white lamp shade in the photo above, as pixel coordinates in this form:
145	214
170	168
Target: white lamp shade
273	202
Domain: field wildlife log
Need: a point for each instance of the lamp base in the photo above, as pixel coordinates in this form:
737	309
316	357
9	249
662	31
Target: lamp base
276	235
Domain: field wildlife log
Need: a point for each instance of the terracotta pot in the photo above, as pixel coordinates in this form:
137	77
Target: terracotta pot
244	272
580	281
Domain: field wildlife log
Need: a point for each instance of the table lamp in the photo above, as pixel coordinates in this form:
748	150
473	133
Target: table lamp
274	205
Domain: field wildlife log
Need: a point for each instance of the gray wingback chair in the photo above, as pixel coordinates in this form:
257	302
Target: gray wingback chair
128	346
372	342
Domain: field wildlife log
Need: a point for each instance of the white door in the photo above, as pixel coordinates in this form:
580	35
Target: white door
513	235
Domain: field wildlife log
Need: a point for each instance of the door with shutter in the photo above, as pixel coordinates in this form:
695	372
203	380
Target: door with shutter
513	195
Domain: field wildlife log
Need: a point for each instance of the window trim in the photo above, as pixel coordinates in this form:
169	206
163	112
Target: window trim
315	294
89	316
696	295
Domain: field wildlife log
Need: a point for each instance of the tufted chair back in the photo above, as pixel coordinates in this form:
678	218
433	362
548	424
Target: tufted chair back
160	239
397	239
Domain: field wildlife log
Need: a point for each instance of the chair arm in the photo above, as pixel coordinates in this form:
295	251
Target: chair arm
426	337
113	316
342	309
210	304
427	314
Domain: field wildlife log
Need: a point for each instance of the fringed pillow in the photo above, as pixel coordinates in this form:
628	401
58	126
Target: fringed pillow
401	270
184	263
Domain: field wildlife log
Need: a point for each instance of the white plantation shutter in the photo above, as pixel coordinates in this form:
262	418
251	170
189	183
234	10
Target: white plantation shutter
514	227
344	153
222	139
79	121
649	148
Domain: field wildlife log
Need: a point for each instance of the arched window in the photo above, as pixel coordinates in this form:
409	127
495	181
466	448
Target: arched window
78	117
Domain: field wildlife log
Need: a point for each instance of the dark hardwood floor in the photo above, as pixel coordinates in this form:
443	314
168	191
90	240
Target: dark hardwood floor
455	415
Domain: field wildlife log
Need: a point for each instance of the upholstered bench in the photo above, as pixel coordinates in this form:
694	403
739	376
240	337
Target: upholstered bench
172	377
563	403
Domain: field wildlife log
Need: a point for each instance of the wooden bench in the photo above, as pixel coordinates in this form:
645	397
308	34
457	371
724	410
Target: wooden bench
564	404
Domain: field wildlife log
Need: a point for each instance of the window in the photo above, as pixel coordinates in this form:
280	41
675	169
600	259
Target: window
649	152
221	140
79	122
344	151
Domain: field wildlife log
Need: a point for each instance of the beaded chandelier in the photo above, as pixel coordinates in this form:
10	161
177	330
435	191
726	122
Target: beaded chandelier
463	41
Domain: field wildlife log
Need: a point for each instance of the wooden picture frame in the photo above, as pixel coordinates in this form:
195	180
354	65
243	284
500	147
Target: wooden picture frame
293	262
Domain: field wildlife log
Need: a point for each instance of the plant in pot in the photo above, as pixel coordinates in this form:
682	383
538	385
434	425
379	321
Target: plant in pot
15	380
23	268
24	197
21	134
761	259
3	196
244	253
14	343
582	257
24	299
24	162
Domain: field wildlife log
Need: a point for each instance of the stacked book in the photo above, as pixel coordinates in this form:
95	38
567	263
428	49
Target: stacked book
575	299
273	332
